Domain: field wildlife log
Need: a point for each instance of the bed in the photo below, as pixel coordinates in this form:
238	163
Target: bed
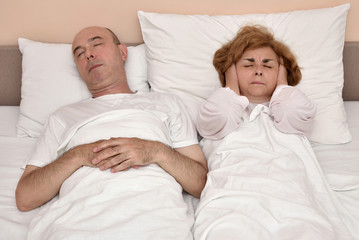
38	77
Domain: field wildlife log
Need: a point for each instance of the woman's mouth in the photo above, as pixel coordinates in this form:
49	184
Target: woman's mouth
257	82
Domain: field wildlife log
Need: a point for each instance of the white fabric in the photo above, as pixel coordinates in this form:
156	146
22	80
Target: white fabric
349	201
180	51
291	110
9	116
136	204
14	152
50	80
340	163
338	159
264	184
153	116
222	112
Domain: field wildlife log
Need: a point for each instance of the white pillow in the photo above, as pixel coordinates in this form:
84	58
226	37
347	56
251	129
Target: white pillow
180	51
50	80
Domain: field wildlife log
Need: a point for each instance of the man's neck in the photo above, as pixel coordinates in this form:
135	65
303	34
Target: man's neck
118	89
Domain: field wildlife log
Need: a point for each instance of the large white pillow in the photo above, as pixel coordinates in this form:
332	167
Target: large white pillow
180	51
50	80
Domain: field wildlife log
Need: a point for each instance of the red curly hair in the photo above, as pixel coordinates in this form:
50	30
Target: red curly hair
253	37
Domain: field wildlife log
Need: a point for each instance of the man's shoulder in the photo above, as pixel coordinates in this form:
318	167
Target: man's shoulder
168	96
64	110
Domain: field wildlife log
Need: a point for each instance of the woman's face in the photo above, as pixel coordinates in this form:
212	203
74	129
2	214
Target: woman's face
257	72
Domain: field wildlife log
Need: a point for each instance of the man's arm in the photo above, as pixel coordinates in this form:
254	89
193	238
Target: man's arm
39	185
187	165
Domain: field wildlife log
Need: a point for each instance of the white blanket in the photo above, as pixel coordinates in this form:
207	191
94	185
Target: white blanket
264	184
144	203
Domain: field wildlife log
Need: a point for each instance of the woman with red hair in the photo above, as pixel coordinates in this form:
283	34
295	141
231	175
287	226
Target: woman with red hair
255	68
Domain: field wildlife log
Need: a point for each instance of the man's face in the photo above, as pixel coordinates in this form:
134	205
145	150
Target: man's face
98	59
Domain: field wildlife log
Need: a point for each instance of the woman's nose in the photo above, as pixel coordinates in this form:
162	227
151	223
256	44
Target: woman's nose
258	71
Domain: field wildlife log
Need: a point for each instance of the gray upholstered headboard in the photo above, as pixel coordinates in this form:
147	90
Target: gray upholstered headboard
351	76
10	74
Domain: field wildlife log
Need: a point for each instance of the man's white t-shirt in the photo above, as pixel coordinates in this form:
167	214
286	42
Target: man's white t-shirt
133	204
153	116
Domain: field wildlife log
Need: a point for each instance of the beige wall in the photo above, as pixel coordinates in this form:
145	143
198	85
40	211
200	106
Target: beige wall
59	20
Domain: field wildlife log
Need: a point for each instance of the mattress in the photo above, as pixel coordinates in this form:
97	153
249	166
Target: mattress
342	159
340	165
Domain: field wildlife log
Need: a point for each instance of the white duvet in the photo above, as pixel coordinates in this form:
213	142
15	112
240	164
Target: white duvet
144	203
264	184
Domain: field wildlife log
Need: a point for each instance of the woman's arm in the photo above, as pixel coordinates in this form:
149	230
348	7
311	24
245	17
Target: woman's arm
292	110
220	114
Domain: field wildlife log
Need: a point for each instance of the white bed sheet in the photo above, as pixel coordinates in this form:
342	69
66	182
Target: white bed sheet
337	162
13	152
342	159
340	165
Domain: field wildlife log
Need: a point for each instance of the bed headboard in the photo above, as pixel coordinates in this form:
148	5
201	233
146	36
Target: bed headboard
351	77
10	74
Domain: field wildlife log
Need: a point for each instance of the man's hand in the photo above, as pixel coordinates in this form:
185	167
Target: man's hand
187	164
232	79
83	154
123	153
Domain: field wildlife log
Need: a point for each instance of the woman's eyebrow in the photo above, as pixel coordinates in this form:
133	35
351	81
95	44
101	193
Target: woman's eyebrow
267	60
249	59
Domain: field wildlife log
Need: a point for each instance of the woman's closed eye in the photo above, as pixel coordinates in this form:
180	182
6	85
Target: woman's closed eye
268	63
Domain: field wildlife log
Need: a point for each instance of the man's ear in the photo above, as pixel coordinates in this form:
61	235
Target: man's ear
123	50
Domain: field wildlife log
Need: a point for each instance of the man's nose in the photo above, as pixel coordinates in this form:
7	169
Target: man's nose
90	55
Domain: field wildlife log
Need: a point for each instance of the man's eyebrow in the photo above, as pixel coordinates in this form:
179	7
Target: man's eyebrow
89	40
94	38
